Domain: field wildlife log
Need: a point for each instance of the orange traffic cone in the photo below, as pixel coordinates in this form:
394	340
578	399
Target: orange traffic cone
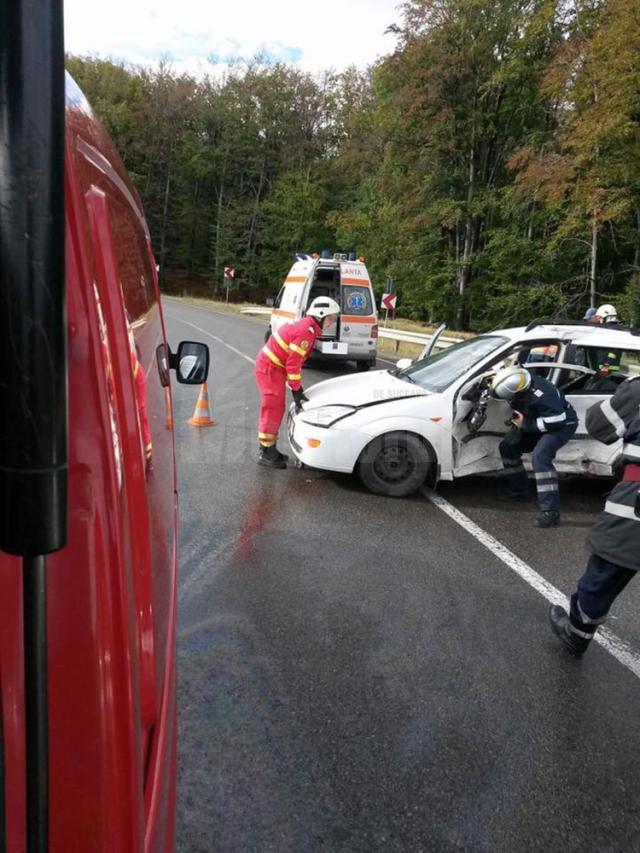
167	403
201	416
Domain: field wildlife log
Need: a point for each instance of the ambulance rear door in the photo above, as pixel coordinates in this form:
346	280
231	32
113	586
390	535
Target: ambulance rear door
358	321
292	299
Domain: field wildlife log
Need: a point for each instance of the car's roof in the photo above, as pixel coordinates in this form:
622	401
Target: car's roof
583	335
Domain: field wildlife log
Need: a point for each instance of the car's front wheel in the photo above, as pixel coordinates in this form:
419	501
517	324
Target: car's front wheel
395	464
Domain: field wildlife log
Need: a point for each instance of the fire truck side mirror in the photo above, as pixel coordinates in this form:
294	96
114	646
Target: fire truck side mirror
191	362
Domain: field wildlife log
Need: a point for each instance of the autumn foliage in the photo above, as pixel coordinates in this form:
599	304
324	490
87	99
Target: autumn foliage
490	165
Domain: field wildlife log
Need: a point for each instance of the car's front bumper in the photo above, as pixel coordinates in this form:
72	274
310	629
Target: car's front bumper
326	448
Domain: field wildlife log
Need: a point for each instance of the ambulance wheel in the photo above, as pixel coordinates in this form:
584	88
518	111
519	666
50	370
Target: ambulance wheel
362	366
395	464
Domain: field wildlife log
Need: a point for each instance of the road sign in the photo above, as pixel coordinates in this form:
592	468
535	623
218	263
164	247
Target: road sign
229	272
389	301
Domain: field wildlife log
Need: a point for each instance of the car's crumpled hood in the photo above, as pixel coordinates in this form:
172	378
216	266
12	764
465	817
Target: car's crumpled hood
378	386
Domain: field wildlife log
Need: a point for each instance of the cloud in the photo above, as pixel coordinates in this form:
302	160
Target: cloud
314	36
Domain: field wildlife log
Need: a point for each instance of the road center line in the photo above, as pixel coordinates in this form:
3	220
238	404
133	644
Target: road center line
617	647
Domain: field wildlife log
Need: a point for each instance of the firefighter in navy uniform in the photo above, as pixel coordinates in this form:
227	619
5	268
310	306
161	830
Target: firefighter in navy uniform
279	364
614	540
543	422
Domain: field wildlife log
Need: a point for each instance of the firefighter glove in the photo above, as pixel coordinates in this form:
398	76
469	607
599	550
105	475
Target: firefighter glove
299	397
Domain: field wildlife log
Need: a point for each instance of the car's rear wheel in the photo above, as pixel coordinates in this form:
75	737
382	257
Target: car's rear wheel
395	464
362	366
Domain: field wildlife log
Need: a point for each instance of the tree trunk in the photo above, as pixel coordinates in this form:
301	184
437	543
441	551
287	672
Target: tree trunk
256	211
469	233
165	215
193	235
594	261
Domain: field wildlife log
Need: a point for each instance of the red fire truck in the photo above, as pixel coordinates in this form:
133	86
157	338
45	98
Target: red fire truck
87	474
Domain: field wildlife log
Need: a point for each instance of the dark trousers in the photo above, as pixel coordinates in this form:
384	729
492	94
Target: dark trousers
599	586
544	445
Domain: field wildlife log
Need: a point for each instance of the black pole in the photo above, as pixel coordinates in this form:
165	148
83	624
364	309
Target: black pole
32	327
34	585
33	441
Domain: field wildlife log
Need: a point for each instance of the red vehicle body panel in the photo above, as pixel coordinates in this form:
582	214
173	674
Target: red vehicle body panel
112	589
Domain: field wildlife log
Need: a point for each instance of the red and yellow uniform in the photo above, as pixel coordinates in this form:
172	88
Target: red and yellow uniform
280	363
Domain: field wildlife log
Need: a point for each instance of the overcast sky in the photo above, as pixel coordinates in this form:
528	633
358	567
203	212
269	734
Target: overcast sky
313	35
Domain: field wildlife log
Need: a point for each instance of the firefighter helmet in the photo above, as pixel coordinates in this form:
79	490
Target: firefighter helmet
323	306
510	381
608	313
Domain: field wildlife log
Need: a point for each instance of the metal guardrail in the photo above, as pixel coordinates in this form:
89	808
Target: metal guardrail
400	336
396	335
256	310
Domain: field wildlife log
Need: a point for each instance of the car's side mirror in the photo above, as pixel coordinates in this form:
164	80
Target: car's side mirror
403	363
191	362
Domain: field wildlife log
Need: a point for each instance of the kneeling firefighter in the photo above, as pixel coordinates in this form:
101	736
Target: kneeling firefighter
543	422
279	363
614	540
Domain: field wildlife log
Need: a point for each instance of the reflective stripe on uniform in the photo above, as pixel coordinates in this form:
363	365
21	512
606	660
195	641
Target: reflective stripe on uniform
584	634
613	417
280	342
621	510
266	435
546	475
550	487
293	377
299	350
631	450
541	423
274	358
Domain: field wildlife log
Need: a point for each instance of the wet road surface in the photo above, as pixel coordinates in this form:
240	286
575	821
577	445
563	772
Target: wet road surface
359	673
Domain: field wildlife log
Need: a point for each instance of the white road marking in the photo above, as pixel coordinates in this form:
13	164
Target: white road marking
209	335
620	650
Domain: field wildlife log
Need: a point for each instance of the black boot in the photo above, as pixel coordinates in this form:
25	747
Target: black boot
271	457
561	627
548	518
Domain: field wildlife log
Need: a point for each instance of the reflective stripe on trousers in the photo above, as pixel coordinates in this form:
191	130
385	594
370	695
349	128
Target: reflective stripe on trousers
544	449
271	384
599	586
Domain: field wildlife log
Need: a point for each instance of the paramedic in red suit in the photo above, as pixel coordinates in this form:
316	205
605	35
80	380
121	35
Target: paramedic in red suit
279	364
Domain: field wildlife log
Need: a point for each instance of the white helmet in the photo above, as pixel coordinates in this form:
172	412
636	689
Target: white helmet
510	381
608	313
323	306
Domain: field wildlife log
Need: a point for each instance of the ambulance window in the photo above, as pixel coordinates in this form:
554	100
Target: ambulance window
276	304
356	300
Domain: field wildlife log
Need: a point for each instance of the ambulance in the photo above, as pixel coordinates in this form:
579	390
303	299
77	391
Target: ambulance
354	335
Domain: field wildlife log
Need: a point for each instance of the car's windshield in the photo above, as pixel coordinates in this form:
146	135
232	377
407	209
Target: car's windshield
437	372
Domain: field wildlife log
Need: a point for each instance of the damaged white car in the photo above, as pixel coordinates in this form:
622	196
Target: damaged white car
435	419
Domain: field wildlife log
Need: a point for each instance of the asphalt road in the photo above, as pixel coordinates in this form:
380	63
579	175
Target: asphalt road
359	673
